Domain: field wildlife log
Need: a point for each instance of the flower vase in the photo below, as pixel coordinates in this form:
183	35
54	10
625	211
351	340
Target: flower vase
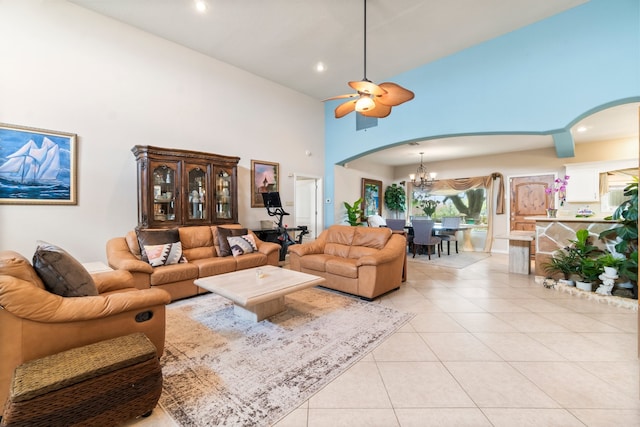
551	213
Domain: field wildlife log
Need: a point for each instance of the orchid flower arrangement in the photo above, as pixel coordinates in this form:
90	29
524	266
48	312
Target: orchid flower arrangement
560	187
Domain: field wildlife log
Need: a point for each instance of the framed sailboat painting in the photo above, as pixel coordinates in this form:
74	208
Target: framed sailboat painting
37	166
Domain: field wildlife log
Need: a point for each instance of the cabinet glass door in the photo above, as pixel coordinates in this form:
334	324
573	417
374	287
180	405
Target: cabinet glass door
198	192
164	193
224	194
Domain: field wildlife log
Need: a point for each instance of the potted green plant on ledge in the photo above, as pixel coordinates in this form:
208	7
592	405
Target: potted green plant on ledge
354	212
565	262
586	255
627	231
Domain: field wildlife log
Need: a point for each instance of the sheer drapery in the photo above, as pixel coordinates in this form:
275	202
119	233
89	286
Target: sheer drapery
446	186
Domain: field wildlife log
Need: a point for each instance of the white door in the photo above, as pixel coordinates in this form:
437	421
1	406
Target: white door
308	204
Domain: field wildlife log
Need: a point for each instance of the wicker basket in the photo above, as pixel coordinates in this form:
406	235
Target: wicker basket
106	383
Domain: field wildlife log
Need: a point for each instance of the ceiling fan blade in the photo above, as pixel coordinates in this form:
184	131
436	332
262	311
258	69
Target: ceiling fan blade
380	110
351	95
365	86
345	108
395	95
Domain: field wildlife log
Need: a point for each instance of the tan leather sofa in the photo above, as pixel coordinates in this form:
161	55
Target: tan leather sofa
200	246
362	261
35	322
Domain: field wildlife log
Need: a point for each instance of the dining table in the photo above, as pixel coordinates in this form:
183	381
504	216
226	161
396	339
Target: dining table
467	245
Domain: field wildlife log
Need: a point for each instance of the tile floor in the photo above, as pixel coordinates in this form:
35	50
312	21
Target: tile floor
485	348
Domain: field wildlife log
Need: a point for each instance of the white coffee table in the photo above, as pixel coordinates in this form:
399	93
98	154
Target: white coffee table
258	293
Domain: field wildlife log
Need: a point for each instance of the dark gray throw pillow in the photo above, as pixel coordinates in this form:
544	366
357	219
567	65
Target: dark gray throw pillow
61	273
223	233
150	237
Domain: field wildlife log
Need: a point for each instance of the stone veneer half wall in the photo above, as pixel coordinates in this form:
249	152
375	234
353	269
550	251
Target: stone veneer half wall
554	233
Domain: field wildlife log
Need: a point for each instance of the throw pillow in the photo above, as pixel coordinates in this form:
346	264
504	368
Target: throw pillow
151	237
61	273
242	244
223	234
167	254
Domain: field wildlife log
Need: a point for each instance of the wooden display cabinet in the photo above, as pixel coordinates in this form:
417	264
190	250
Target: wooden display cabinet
181	187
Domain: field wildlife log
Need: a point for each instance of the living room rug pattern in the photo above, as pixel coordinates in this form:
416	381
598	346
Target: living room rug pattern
221	370
455	260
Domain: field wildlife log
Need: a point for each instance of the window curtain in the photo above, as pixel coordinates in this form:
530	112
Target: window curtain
490	184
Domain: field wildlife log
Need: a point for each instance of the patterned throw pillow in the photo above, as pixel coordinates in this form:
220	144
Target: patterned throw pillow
150	237
223	244
242	244
167	254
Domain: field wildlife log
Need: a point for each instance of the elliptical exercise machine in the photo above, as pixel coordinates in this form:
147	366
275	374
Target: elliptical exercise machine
273	204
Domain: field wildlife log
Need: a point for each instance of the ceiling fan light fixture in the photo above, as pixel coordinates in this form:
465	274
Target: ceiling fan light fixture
365	103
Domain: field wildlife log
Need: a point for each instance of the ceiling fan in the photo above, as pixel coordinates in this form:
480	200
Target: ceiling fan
372	100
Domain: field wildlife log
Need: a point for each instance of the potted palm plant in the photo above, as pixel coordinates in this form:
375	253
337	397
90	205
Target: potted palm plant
586	254
565	263
354	212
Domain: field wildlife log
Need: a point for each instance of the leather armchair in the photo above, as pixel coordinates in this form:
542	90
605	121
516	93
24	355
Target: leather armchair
35	322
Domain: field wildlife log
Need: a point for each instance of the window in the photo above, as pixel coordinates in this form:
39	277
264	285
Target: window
470	204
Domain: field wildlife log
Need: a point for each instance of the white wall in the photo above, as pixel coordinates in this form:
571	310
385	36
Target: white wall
68	69
348	185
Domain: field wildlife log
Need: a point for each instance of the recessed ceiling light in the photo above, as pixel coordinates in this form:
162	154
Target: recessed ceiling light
201	6
320	67
581	129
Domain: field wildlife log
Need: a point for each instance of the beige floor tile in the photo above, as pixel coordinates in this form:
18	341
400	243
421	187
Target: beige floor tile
499	305
539	305
578	322
472	292
501	417
422	385
623	344
518	347
359	387
442	417
404	347
624	376
458	346
352	418
626	320
576	347
417	305
608	417
297	418
531	322
482	322
498	385
574	387
456	305
435	322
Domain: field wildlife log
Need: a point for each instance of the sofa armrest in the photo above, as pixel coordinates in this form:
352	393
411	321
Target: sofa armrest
120	257
315	247
268	247
394	248
113	280
26	301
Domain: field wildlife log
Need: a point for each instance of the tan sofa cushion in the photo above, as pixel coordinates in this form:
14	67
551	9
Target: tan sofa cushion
375	238
197	242
345	267
173	273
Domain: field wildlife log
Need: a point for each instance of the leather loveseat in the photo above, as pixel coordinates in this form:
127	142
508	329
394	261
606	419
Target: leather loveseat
362	261
203	253
35	322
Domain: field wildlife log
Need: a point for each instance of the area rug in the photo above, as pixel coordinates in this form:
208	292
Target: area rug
455	260
221	370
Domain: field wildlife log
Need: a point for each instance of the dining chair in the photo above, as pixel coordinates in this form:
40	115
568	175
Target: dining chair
423	236
449	232
399	226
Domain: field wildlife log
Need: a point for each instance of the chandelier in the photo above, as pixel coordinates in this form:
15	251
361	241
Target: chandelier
422	178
